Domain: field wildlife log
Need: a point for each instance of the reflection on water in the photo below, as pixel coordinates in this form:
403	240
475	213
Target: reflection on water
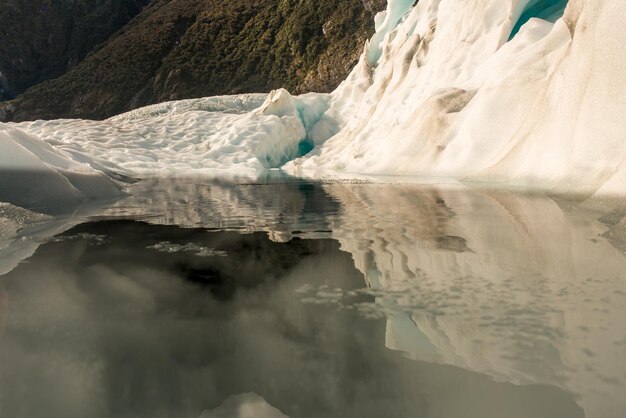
197	297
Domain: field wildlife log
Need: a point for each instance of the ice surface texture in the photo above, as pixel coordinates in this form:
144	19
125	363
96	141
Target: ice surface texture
35	175
450	95
550	10
489	90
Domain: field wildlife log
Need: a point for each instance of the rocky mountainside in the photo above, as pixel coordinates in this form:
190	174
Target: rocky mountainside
177	49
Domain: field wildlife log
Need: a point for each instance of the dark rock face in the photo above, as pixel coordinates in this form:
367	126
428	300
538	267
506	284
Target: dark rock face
179	49
5	90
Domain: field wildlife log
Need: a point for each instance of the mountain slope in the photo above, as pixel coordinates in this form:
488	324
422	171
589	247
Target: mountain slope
42	39
187	48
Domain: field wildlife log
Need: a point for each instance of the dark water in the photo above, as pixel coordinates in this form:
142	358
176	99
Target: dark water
248	298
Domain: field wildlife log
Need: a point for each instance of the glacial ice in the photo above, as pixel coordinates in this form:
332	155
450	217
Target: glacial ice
497	91
452	93
35	175
21	233
549	10
181	137
451	97
237	104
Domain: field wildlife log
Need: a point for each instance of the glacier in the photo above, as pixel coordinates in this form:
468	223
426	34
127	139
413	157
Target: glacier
508	92
452	96
505	92
35	175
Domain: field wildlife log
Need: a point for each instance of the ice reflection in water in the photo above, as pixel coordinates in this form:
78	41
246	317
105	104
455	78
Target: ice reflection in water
525	295
522	288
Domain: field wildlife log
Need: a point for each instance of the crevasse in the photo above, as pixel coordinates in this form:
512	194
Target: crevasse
549	10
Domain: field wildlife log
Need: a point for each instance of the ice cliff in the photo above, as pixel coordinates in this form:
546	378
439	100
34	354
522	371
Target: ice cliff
520	92
488	90
35	175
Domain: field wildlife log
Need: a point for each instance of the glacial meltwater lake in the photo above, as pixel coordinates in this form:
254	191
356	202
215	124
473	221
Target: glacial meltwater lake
276	296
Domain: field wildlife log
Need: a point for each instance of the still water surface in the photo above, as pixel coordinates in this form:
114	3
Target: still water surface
278	297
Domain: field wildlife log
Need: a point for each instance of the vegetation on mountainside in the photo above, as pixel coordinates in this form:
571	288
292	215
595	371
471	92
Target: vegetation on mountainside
191	48
42	39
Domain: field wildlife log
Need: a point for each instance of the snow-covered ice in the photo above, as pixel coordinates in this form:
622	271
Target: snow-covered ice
34	174
452	96
236	104
178	138
518	92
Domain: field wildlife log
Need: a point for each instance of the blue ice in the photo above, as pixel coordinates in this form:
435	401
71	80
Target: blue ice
550	10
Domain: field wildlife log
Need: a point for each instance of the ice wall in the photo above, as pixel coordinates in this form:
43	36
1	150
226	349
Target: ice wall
226	133
34	175
550	10
451	95
501	91
60	163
